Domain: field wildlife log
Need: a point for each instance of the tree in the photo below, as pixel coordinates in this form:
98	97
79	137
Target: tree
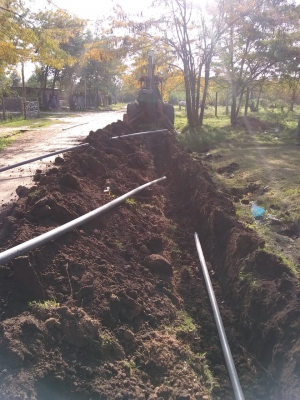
36	37
190	35
5	89
164	67
288	72
15	77
254	46
55	31
13	28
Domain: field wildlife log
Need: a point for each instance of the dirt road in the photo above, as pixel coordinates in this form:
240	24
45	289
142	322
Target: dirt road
42	141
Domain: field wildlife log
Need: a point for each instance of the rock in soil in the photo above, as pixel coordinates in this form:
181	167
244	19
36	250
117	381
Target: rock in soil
128	334
22	191
159	264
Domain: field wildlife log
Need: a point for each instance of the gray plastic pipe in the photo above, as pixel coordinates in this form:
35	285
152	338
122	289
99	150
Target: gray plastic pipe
74	126
32	244
140	133
44	156
238	393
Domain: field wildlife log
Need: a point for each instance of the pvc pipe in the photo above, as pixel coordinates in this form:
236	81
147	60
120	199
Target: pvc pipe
141	133
41	157
32	244
238	393
74	126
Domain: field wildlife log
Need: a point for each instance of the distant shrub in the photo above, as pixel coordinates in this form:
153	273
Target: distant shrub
196	140
173	99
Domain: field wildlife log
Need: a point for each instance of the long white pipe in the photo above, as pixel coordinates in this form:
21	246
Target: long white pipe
44	156
140	133
32	244
238	393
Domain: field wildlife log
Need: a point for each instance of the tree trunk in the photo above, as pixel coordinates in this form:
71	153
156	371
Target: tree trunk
247	101
240	103
193	96
188	100
293	99
227	102
198	91
233	113
216	105
45	103
22	106
56	74
205	90
54	81
258	99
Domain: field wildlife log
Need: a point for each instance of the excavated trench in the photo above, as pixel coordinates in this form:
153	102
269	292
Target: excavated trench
117	309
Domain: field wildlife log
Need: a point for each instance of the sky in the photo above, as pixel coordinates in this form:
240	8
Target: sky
92	9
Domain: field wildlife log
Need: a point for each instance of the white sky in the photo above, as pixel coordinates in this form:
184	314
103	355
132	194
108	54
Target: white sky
92	9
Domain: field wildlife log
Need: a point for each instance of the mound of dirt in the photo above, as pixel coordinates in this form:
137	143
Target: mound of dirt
252	124
117	309
232	167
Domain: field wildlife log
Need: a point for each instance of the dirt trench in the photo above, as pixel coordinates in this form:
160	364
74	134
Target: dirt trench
117	309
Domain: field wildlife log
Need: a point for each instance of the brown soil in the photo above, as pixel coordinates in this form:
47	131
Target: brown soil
228	169
252	124
123	279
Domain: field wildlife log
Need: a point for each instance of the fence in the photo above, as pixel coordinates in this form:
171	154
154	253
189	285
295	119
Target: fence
32	109
11	105
14	106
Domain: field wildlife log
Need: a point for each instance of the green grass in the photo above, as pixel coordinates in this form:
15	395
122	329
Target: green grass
107	340
184	323
33	194
113	107
218	129
59	115
180	118
287	261
131	201
266	158
4	142
45	119
119	245
131	365
247	277
199	363
44	304
14	123
211	382
31	123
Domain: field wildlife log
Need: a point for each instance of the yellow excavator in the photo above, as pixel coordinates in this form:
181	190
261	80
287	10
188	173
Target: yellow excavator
149	106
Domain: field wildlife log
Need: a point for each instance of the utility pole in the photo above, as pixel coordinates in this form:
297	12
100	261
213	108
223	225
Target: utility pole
85	92
24	91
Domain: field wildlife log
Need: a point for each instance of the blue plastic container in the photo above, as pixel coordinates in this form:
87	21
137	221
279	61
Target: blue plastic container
257	211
